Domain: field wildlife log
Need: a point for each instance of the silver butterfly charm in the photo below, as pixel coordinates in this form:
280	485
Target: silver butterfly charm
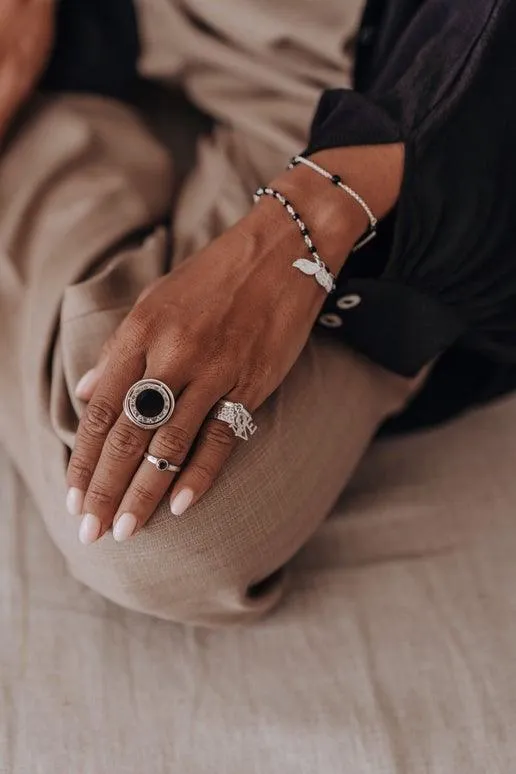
321	274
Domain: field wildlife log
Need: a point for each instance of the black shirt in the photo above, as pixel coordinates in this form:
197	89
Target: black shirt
439	281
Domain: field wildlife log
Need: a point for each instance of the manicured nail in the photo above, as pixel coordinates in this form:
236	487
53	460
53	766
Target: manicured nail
74	501
124	527
181	502
85	384
89	529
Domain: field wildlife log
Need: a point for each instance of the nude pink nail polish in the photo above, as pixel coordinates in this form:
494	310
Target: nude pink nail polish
124	527
74	501
181	501
86	382
89	530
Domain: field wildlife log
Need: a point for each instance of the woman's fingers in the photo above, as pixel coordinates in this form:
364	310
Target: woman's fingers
117	461
214	446
120	457
172	443
99	416
215	443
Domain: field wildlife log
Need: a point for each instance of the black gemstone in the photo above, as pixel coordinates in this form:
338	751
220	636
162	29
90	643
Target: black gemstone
150	403
336	179
162	464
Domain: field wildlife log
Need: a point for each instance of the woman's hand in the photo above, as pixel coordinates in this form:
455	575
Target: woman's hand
26	37
227	323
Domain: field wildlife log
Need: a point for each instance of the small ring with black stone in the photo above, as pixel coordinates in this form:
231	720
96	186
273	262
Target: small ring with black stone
163	465
149	403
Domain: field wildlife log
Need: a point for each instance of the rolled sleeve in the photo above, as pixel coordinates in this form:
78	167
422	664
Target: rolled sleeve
443	268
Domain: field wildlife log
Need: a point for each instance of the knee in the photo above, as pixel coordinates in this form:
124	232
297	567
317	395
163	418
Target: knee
184	570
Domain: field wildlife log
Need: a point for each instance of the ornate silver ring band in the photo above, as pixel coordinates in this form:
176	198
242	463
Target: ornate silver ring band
236	416
164	466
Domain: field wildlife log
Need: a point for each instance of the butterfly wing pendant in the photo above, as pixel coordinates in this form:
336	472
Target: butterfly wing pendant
321	274
306	266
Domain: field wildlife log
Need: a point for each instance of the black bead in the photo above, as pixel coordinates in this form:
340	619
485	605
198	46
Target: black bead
150	403
313	249
336	179
305	231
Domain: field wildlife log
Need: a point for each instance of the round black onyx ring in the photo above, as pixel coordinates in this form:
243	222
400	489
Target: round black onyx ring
149	404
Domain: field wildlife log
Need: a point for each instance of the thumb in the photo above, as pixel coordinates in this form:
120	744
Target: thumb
87	384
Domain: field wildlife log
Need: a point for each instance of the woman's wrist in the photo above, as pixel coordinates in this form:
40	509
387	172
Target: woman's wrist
336	221
332	218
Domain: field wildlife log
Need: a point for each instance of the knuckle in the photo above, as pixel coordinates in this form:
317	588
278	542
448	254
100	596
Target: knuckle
218	435
138	323
98	418
123	442
99	496
142	494
204	471
173	442
79	472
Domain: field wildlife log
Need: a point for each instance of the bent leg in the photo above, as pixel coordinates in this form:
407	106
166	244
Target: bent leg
223	561
81	178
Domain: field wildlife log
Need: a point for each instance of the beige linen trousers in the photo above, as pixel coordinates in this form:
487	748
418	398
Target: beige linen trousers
85	189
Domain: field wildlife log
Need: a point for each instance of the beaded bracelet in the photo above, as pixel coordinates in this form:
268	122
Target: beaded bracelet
337	181
315	267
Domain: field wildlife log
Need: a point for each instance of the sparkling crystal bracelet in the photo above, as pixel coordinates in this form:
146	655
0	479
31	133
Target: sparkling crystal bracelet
314	267
337	181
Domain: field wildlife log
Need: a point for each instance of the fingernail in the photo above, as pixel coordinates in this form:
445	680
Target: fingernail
74	501
124	527
85	384
89	529
181	501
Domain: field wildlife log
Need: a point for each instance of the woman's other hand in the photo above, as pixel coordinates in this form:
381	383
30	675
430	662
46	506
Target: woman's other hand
26	37
228	323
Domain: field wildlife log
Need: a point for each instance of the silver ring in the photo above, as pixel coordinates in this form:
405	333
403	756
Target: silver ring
161	464
149	404
236	416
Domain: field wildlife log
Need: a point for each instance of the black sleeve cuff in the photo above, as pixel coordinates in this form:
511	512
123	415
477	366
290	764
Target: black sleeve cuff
390	323
447	271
